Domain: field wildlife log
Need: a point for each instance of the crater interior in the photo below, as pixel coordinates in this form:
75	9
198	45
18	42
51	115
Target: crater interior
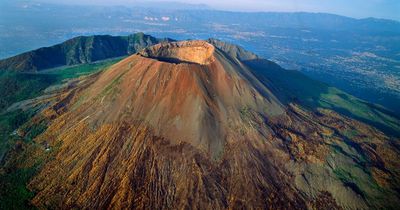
196	52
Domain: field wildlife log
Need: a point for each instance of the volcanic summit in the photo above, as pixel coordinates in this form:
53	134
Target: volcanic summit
189	124
196	52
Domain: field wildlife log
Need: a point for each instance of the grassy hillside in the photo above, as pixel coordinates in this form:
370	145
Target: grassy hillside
15	86
18	86
294	86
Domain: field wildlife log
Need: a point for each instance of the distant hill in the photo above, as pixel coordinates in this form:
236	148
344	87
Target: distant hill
78	50
170	5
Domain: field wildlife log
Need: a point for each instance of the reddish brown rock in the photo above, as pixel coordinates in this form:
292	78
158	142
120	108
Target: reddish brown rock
188	125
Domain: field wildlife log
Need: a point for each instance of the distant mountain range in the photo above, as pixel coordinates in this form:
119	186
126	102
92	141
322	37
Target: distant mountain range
69	20
78	50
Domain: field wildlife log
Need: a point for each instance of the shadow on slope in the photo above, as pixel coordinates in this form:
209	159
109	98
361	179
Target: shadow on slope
293	86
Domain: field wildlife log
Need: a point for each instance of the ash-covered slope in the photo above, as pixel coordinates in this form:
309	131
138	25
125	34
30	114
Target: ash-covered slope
188	125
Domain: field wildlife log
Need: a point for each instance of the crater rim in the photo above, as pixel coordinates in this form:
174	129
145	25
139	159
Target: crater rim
191	52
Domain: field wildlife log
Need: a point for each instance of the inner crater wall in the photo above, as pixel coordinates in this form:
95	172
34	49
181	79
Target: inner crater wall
199	52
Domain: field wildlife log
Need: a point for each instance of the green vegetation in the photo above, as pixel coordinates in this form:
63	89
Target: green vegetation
359	181
350	133
353	107
245	113
16	87
36	131
14	194
79	70
112	89
9	122
14	179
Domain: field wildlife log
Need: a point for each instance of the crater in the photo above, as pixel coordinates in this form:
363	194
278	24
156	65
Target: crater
194	52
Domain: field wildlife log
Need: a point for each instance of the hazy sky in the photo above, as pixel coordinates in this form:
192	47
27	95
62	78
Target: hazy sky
353	8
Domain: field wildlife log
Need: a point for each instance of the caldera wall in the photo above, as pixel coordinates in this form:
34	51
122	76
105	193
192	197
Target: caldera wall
199	52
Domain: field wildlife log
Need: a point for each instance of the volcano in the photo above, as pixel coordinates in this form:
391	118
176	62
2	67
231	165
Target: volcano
192	125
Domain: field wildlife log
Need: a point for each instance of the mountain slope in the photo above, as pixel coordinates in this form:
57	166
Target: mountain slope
191	125
294	86
18	93
82	49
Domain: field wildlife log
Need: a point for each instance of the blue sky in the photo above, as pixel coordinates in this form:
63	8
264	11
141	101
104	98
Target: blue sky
354	8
